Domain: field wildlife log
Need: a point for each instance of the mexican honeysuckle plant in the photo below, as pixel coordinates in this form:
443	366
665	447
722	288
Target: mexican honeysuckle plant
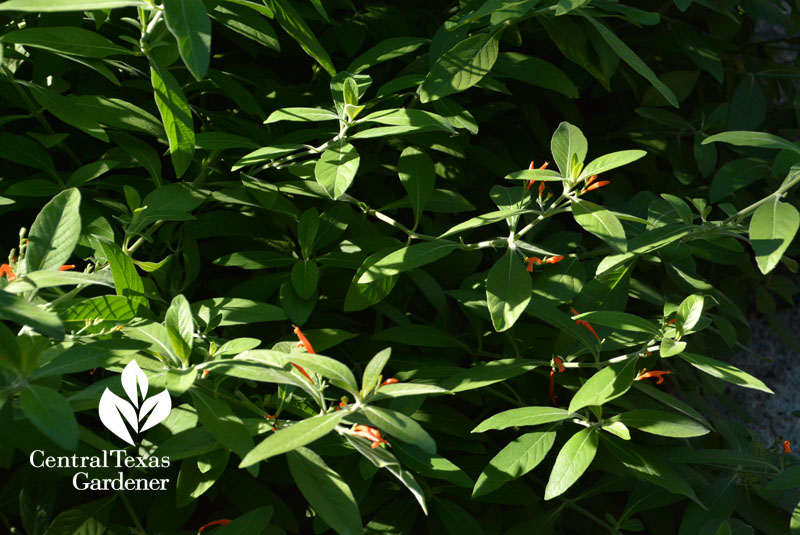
355	267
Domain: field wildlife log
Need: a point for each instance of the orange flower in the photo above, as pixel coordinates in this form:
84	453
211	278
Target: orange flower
530	182
531	260
66	267
551	389
554	259
370	433
309	348
670	322
584	323
220	522
389	381
6	270
787	446
597	185
541	189
591	179
205	374
644	374
560	364
303	340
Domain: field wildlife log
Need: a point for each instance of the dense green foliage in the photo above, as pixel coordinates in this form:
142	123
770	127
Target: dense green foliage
228	177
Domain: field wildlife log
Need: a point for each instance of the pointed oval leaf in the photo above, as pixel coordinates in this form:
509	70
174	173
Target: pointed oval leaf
51	414
572	461
523	416
188	21
292	437
336	168
609	383
508	291
772	228
55	232
514	461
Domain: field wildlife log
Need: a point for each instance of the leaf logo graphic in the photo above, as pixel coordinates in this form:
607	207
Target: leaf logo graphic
115	411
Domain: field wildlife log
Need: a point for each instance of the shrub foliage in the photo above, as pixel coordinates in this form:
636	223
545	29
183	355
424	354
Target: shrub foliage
310	239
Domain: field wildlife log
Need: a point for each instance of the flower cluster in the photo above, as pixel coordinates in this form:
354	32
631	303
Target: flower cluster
370	433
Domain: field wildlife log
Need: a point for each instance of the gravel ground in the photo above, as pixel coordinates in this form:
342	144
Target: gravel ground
776	365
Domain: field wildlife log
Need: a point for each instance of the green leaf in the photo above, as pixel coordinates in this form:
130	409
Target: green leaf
535	71
514	461
461	67
735	175
336	168
338	374
418	179
609	383
406	259
373	370
236	311
545	175
23	312
415	120
568	140
689	313
400	426
239	19
325	491
508	291
62	39
430	465
382	458
634	61
220	421
305	275
489	373
173	202
188	21
752	139
600	222
127	281
619	321
391	48
311	115
251	523
55	232
289	438
266	154
25	151
176	116
650	468
64	109
291	21
670	347
725	371
772	229
397	390
483	220
307	231
69	5
572	461
619	429
611	161
118	114
748	106
180	327
789	478
523	416
667	424
84	357
51	414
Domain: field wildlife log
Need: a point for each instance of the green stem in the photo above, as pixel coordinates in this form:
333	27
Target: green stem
140	530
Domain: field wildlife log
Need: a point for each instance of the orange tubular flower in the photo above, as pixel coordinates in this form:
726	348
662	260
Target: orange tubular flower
591	179
551	389
205	374
644	374
370	433
530	182
309	348
66	267
220	522
584	323
531	260
6	270
560	364
541	189
787	446
597	185
390	381
554	259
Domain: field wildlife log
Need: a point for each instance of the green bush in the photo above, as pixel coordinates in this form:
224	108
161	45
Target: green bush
284	267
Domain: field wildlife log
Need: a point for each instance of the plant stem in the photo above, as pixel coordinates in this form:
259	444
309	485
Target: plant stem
140	530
